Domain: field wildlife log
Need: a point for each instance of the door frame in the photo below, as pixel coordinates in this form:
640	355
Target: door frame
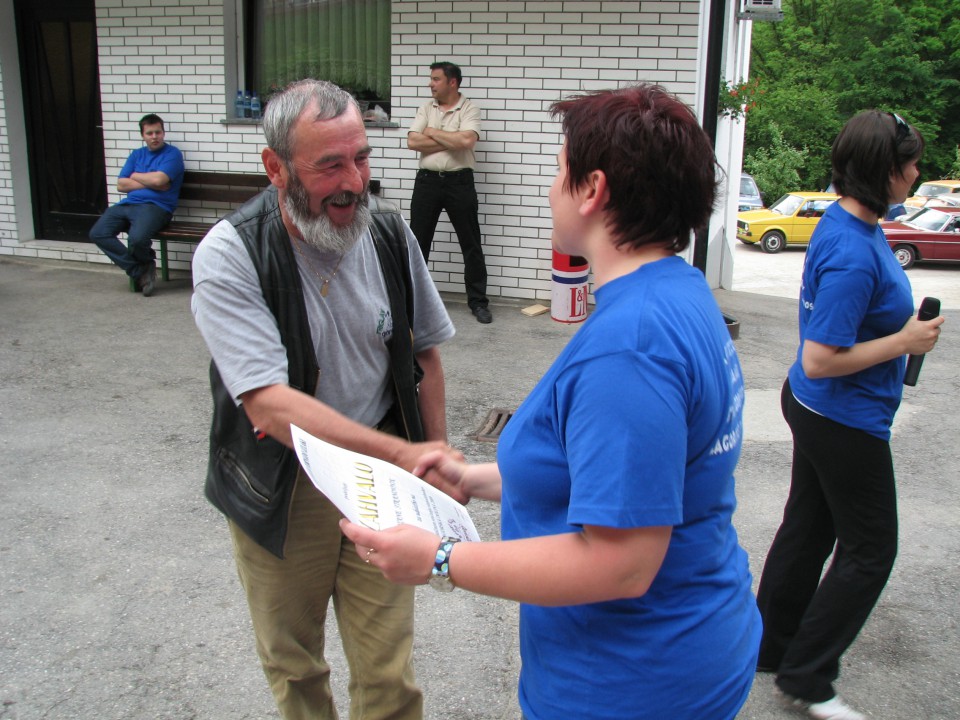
62	207
16	124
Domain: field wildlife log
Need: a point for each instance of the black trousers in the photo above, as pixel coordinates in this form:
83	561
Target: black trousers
842	499
455	193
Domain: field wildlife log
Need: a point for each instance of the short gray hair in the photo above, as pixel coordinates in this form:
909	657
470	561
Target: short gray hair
286	107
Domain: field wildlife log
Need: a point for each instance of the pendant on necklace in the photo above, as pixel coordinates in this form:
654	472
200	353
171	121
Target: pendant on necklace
325	288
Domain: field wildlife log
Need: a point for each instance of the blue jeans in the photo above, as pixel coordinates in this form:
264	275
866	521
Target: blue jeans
140	221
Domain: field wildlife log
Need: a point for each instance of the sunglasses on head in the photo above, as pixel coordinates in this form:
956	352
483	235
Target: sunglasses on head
902	128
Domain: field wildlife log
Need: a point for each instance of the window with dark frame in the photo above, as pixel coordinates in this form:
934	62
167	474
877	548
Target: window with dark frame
344	41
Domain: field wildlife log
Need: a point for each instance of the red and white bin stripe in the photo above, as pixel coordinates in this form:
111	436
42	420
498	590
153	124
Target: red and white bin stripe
569	288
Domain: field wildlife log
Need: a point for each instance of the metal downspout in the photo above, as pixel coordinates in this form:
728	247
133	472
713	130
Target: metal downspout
711	88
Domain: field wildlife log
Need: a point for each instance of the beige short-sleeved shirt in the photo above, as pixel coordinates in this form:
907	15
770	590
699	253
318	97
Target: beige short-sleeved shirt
464	116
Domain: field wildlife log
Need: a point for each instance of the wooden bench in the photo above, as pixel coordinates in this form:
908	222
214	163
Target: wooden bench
232	188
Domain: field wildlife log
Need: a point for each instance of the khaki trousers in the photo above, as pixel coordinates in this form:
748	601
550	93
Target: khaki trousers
288	602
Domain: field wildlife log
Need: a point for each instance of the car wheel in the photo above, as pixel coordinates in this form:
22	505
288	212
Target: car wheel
905	255
772	242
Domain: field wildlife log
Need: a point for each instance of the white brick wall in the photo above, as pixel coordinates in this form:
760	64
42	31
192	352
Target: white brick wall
7	221
517	59
167	56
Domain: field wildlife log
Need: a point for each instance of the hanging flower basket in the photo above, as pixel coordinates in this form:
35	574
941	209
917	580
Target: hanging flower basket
736	100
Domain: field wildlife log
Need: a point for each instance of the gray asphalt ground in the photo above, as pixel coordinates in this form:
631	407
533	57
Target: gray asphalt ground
118	595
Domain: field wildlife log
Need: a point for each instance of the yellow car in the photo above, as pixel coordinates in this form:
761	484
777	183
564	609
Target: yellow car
789	221
932	189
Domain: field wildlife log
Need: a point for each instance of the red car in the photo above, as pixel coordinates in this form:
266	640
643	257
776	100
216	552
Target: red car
931	235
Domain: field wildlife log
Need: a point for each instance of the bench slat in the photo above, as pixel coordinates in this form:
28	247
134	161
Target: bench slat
230	188
197	177
186	231
218	194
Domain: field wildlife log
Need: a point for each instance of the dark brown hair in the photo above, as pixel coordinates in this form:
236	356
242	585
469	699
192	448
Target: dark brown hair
871	146
151	119
658	162
450	71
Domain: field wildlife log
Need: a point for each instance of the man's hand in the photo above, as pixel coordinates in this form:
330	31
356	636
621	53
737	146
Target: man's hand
445	482
474	481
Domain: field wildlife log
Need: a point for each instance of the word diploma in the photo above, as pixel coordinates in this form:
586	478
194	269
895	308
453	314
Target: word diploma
378	494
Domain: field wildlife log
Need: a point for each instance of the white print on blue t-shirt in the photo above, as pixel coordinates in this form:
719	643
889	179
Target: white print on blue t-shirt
731	440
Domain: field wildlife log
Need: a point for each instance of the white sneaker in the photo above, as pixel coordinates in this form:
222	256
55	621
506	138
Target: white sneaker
833	709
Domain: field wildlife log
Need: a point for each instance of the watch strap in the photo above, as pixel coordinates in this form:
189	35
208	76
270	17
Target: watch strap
440	574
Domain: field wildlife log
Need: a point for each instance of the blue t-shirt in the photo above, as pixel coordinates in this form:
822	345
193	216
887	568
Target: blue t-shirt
853	290
167	159
638	423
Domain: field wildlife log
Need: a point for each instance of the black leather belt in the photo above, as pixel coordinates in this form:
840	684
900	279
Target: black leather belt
444	173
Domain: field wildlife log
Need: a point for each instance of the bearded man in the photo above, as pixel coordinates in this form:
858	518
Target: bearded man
318	310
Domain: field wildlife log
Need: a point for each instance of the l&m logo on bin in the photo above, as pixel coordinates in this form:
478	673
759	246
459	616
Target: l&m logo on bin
578	301
569	289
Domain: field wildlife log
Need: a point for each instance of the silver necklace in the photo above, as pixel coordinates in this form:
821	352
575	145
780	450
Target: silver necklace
324	282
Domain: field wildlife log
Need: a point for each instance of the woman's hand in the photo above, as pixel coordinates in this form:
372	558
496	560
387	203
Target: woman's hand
448	468
920	336
480	481
442	470
404	554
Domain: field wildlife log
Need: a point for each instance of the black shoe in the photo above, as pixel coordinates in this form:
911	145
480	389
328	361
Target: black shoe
148	280
482	314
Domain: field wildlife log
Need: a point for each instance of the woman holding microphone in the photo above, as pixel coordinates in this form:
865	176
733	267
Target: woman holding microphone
856	325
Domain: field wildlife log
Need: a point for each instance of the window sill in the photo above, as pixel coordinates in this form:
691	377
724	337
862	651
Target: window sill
251	121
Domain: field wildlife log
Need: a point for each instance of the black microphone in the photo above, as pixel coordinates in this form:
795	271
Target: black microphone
929	309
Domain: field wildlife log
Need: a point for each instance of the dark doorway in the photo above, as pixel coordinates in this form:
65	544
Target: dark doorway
61	88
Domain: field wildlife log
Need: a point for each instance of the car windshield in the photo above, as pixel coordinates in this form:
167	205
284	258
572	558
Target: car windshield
930	190
928	219
748	188
787	205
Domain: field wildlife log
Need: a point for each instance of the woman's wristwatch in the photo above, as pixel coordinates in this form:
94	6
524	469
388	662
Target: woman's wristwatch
440	575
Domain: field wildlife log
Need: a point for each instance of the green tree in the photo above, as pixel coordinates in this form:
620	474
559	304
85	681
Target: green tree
775	168
830	59
955	168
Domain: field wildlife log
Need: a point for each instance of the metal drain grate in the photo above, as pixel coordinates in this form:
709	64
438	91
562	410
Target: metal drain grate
494	424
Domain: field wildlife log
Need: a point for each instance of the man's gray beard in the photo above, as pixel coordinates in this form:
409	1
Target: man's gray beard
318	230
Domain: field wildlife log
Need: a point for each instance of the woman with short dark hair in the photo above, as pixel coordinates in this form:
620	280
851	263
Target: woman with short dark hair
856	324
616	473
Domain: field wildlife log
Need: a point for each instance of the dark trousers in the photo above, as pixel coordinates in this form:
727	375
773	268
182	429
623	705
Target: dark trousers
140	221
455	193
842	492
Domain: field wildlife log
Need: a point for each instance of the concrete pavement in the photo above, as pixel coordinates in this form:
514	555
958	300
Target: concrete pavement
118	597
755	271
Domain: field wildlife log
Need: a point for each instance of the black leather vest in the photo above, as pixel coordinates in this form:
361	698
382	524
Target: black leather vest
251	480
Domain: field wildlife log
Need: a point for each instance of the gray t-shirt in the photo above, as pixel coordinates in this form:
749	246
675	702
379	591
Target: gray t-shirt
350	326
